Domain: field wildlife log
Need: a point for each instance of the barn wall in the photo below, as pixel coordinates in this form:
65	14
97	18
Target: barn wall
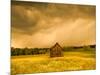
56	51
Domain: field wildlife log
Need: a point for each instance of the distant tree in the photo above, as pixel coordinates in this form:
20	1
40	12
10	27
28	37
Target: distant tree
86	48
93	46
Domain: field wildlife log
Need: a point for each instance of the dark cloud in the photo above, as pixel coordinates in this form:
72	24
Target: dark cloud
26	16
35	19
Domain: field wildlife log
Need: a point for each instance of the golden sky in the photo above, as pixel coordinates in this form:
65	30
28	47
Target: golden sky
37	24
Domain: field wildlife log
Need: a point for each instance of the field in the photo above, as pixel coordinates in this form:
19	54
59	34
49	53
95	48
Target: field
71	61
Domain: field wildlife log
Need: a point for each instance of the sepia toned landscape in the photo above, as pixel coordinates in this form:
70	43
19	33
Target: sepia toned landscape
52	37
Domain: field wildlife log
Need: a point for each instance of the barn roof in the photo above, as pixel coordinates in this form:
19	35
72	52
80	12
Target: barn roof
56	45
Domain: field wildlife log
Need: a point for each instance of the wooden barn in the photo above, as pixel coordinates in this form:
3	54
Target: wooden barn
56	51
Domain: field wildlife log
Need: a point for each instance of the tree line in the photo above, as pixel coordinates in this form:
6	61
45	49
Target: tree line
34	51
28	51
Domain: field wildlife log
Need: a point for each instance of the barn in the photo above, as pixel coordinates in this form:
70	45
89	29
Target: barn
56	51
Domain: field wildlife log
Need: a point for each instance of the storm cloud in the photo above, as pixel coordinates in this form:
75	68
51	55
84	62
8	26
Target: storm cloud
37	24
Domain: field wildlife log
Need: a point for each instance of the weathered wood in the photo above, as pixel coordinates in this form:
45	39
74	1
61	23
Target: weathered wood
56	51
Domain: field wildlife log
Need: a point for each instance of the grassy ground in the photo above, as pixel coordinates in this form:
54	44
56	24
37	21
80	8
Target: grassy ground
43	63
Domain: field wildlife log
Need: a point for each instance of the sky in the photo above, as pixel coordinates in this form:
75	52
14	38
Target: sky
40	25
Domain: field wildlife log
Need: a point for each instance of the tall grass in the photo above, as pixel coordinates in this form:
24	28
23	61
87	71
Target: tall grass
43	63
